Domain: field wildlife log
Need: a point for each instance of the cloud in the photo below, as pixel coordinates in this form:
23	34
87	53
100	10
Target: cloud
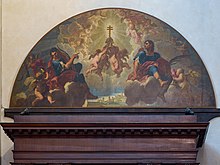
146	92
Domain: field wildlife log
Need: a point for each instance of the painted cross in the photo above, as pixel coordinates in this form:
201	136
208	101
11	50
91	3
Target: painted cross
109	28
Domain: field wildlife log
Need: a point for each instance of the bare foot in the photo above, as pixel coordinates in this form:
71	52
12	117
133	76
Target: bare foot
162	83
52	101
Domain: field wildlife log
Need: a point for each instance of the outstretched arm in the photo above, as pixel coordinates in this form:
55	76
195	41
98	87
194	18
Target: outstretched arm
70	62
104	50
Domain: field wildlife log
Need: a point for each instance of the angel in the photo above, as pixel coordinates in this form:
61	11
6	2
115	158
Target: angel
132	32
86	35
95	19
116	57
34	64
121	58
150	27
37	81
41	90
179	78
96	59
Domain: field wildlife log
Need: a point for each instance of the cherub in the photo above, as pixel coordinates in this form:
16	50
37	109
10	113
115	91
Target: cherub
41	90
95	60
132	32
116	57
179	78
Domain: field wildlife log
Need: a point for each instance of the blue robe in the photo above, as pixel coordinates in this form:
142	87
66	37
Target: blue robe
143	57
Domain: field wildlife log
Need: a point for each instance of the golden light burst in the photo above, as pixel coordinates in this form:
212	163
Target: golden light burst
100	33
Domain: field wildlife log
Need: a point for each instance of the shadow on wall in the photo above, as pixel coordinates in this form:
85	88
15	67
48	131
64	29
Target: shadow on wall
209	154
6	143
7	156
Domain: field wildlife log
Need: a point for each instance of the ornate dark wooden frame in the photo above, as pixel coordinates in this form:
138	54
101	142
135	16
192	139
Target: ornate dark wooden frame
127	128
203	114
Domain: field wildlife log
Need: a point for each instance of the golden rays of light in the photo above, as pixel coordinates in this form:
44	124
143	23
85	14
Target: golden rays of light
100	33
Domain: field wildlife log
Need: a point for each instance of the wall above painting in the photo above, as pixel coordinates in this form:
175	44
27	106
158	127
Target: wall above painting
113	58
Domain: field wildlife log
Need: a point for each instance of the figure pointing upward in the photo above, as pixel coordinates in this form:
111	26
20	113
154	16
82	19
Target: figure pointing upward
109	28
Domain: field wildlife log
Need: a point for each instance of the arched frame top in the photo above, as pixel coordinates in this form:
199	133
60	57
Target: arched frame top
109	41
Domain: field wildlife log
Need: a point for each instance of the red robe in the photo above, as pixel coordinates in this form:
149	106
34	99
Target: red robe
163	66
58	82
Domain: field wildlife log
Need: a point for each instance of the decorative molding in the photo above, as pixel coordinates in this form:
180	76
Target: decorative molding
136	163
107	130
203	114
128	139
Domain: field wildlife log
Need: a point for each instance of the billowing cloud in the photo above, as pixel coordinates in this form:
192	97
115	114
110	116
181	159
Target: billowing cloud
146	92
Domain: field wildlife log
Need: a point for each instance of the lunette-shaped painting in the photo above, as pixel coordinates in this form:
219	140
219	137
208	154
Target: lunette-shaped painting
113	57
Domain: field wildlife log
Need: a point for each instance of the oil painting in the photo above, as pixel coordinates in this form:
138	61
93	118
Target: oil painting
113	57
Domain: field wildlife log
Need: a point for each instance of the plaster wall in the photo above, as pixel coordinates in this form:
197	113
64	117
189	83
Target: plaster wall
25	22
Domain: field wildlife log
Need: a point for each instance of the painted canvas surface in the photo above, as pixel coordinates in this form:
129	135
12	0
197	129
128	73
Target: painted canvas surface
113	58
